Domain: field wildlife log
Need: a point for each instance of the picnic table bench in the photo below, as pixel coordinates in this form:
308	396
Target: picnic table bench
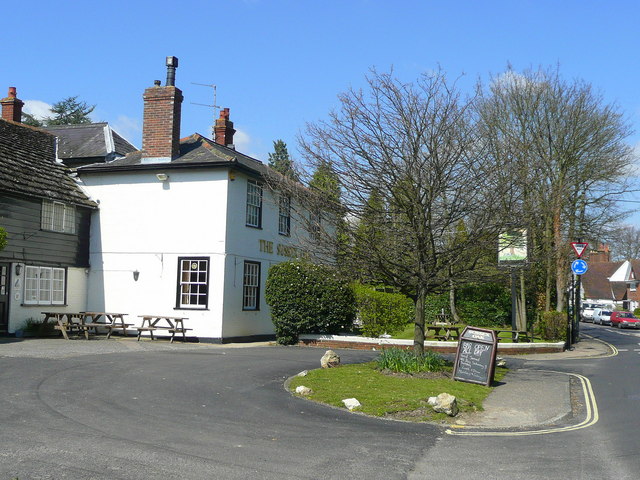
443	332
171	325
515	336
83	322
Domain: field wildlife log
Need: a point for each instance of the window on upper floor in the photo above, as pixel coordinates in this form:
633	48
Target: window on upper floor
58	217
193	282
251	286
284	215
44	285
254	204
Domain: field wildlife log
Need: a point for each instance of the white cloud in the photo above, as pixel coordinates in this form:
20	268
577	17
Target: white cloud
37	108
129	128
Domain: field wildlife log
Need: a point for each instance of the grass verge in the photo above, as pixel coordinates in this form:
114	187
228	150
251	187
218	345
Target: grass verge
398	396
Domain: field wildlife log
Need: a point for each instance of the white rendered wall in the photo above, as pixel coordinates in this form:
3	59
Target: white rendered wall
253	244
76	283
145	225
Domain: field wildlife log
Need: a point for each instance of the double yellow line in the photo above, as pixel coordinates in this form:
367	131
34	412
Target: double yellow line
591	418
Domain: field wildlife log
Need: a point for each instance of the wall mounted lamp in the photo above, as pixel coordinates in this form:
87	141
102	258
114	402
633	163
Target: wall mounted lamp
136	275
163	177
18	269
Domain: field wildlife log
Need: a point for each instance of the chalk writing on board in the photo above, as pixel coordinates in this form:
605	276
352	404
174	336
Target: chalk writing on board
475	356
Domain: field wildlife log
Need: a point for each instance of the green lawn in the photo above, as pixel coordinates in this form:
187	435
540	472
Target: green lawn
407	333
386	395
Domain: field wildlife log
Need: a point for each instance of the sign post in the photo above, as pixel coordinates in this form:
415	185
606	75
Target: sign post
512	252
579	267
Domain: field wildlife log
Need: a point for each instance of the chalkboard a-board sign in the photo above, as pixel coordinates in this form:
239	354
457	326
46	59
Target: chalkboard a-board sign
476	356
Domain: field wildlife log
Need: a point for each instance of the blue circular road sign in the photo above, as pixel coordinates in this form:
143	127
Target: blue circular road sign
579	267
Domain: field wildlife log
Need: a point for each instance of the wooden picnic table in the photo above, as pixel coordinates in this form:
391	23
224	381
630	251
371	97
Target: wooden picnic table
172	325
443	331
112	321
66	322
516	335
82	322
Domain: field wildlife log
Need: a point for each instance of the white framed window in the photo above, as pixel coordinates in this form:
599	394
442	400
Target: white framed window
284	215
58	217
44	285
254	204
251	286
193	282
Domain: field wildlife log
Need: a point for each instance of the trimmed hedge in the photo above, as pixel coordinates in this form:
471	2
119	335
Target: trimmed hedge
382	312
552	326
308	298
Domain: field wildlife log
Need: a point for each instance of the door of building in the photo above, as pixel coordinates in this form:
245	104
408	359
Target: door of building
4	297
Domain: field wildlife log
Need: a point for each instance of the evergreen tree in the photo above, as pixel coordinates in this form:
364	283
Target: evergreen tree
281	162
69	111
325	181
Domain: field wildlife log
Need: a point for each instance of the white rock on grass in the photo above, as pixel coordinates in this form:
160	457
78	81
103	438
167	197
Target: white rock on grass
444	403
330	359
303	373
302	390
351	403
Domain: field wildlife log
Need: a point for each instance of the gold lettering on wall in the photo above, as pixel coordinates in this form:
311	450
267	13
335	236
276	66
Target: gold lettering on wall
266	246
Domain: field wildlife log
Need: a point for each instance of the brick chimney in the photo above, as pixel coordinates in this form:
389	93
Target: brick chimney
161	121
223	130
601	254
12	106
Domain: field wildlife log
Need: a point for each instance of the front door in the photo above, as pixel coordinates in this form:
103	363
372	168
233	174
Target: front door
4	297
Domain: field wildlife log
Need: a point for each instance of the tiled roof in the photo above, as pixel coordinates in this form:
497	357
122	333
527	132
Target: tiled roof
195	150
596	282
619	290
89	140
28	166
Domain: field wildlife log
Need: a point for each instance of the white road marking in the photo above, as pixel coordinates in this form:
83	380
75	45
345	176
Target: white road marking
591	418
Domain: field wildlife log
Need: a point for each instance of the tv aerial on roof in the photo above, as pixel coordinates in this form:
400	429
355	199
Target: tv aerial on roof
215	100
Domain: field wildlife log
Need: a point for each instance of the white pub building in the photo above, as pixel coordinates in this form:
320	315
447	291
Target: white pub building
187	227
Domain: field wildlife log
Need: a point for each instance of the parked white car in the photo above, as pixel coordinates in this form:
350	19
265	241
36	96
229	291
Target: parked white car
586	315
602	316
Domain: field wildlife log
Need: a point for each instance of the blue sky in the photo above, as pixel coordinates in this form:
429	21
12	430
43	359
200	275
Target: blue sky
278	64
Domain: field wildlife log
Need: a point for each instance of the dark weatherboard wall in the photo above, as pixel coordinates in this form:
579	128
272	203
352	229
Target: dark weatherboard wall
28	243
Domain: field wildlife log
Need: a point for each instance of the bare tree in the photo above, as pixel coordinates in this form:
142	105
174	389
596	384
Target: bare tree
625	243
565	150
413	148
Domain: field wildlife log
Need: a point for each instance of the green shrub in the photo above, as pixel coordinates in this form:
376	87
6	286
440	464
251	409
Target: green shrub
636	312
478	304
308	298
382	312
3	238
405	361
484	304
552	326
38	328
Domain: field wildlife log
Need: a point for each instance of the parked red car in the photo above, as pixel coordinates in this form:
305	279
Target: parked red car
624	320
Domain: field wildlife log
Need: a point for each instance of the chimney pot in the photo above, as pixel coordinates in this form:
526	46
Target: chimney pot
223	130
12	106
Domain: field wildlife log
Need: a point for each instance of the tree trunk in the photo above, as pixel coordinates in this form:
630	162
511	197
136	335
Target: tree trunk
522	318
452	303
418	332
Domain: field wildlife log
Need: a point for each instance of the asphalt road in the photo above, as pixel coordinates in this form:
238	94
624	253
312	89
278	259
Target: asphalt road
610	449
156	411
191	413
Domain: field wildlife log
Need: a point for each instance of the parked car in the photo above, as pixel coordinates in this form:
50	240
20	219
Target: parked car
624	320
586	315
602	316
